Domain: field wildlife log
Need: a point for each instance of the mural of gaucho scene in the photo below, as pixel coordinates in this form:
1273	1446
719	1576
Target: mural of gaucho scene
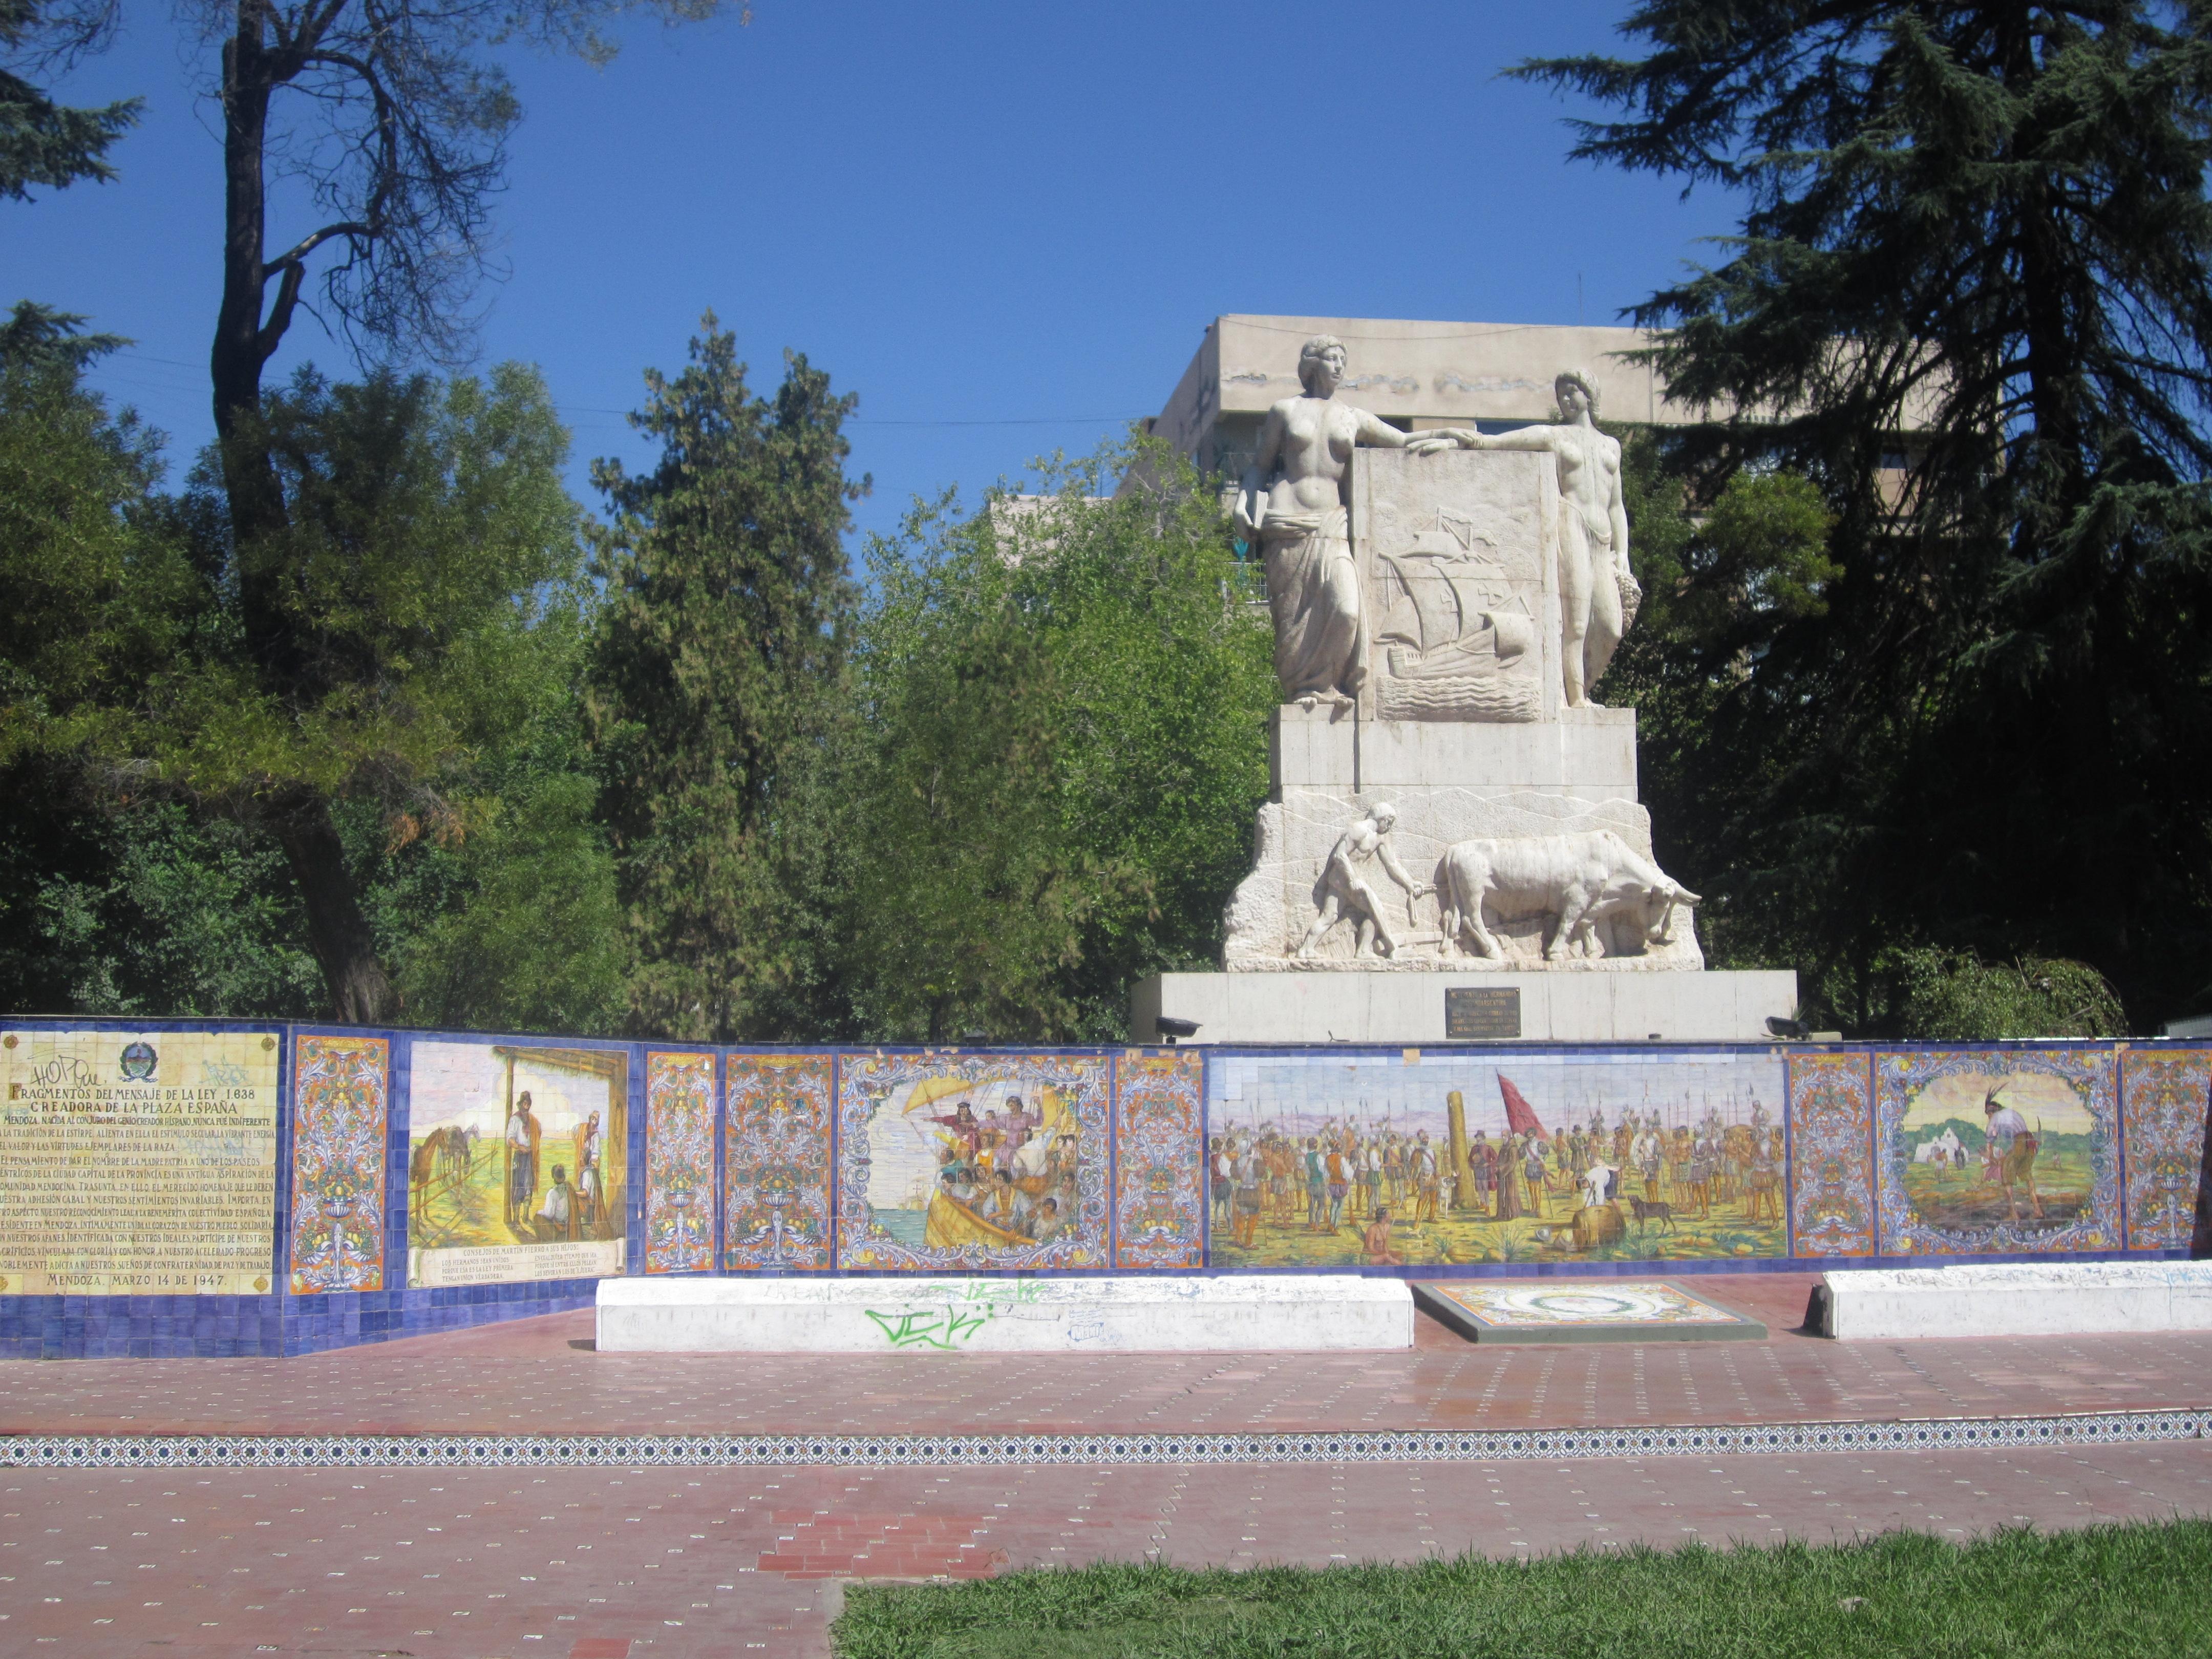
516	1161
1419	1159
980	1161
1993	1152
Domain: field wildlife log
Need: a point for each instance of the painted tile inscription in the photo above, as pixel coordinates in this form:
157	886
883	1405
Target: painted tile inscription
947	1160
516	1162
776	1163
1832	1154
137	1162
2163	1098
1997	1152
1408	1158
680	1163
340	1098
1159	1160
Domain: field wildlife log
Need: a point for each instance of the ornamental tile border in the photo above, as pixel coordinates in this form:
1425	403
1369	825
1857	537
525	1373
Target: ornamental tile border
355	1452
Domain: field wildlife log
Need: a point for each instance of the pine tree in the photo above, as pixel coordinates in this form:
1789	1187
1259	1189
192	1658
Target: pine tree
42	142
719	690
1969	299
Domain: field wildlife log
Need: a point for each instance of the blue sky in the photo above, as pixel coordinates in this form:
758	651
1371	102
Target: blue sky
1005	226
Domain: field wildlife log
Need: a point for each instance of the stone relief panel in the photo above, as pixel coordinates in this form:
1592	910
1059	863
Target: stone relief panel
1274	907
949	1161
341	1095
1159	1160
1452	553
1997	1152
1832	1116
680	1163
2163	1101
777	1164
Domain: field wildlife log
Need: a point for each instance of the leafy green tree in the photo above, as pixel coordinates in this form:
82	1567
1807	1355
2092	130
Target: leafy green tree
394	114
718	678
1968	301
1065	701
1948	998
43	144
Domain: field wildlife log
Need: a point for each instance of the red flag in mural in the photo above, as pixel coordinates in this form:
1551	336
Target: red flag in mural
1520	1115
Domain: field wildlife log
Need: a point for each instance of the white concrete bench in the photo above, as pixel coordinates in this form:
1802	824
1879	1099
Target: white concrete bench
2025	1299
1003	1315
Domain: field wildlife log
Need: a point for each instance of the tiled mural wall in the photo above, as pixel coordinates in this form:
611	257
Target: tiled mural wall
344	1185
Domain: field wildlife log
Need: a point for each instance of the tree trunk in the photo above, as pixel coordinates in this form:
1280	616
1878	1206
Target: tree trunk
360	992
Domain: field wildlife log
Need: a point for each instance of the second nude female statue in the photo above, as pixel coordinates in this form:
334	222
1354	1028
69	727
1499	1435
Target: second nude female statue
1292	506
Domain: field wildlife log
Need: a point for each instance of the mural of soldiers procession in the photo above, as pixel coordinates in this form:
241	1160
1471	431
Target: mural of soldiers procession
1413	1161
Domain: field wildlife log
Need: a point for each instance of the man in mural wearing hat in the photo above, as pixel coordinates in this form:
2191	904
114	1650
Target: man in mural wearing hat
2008	1150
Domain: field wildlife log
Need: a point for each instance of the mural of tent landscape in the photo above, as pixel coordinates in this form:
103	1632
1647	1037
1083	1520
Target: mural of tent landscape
1467	1159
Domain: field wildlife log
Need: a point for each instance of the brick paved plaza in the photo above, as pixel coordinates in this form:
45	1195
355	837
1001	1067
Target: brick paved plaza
644	1559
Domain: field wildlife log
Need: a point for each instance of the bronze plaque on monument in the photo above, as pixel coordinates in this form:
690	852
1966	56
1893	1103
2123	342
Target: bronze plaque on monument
1482	1011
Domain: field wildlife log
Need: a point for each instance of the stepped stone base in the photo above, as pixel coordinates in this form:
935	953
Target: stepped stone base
1412	1008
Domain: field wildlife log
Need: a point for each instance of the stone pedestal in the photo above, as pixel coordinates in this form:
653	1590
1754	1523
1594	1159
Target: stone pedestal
1414	1009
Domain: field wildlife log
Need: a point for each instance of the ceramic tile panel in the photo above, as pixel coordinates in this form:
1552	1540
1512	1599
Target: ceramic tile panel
949	1161
518	1158
680	1163
1832	1189
776	1163
1159	1159
1997	1152
1456	1157
2163	1099
340	1107
139	1161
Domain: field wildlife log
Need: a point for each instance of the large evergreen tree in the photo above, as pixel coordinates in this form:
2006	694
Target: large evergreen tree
719	691
1969	301
44	143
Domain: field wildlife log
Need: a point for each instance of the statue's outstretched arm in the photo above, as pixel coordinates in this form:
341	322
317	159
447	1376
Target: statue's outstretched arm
1378	433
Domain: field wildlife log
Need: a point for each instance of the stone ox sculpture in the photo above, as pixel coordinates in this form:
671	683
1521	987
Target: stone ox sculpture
1572	881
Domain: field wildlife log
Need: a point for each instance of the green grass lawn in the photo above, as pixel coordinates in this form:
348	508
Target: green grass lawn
2097	1593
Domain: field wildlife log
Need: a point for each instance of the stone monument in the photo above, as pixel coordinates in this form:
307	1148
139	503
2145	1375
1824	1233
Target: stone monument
1452	844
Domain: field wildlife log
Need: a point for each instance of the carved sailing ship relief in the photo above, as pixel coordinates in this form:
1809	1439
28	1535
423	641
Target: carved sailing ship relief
1456	640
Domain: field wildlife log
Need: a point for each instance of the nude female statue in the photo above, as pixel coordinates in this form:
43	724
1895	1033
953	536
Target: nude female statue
1292	507
1597	592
